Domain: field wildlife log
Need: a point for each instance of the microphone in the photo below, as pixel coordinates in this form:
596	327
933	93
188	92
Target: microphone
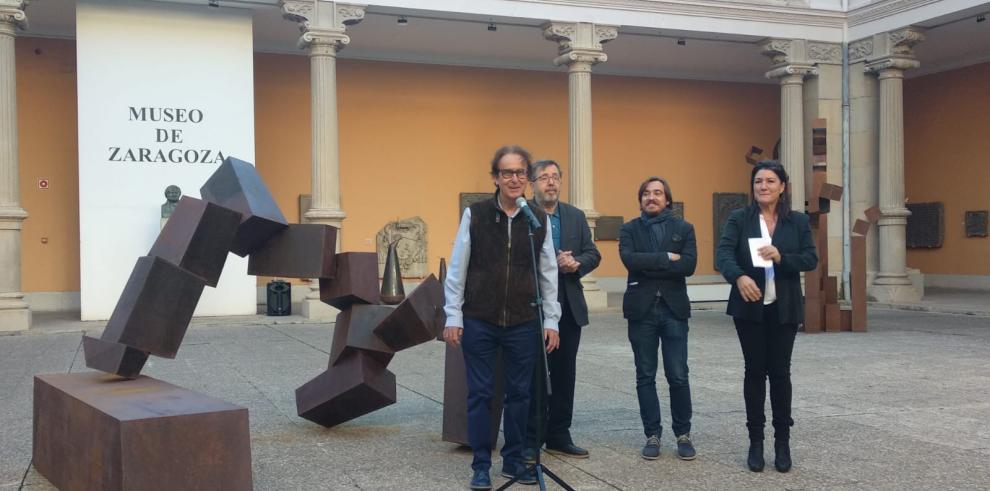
524	206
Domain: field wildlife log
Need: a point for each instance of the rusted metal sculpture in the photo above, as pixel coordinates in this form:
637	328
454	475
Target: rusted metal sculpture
298	251
355	281
236	185
152	435
822	309
95	431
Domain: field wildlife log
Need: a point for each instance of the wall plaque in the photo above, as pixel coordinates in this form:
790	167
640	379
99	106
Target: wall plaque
926	225
976	223
607	227
468	199
722	205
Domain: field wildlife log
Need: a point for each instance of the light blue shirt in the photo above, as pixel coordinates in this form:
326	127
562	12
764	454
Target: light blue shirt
457	275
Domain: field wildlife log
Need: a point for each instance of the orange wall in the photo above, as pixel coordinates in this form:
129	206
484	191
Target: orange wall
47	135
694	134
412	137
946	152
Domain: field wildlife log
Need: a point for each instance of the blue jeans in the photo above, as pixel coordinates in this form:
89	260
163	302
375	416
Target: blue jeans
520	346
661	329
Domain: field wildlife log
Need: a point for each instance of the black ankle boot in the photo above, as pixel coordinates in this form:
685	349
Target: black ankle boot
782	460
755	460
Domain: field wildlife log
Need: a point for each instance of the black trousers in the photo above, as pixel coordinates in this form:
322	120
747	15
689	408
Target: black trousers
558	414
767	348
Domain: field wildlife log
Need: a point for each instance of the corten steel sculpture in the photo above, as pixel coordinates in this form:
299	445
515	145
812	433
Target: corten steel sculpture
96	431
237	214
366	336
822	309
236	185
153	435
352	284
299	251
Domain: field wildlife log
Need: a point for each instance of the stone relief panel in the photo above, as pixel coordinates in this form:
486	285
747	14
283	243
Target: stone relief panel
723	204
411	247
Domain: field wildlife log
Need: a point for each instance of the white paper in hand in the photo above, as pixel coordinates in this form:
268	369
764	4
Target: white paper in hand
754	247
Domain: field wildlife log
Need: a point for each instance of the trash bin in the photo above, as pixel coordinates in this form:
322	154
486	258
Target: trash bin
279	297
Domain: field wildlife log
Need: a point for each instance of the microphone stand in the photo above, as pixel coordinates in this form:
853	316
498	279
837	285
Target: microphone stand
538	467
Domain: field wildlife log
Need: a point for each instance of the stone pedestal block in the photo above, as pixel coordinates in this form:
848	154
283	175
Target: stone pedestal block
14	320
417	319
299	251
197	238
354	331
355	386
355	281
155	308
94	431
237	185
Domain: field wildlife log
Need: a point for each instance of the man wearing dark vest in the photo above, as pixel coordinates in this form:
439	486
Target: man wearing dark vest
576	257
490	296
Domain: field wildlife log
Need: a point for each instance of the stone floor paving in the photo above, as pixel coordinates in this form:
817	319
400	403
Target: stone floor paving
903	406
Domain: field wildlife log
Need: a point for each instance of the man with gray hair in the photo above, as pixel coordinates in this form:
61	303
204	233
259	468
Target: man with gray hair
576	257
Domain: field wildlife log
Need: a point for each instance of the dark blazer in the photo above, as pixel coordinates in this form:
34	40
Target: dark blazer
792	238
575	236
651	270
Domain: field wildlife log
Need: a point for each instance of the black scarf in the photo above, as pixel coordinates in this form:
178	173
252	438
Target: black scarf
657	225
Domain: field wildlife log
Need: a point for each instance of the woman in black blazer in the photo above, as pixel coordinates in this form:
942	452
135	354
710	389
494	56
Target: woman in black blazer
766	302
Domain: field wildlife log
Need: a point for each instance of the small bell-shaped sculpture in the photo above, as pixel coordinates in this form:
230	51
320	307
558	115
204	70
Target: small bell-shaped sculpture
392	291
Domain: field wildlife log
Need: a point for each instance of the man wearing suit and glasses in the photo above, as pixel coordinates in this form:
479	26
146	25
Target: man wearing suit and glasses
576	257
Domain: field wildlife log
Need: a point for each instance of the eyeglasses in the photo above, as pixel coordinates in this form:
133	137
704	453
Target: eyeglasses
509	173
549	178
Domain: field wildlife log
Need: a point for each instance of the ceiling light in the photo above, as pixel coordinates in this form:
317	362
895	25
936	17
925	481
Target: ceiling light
981	18
402	21
492	27
681	42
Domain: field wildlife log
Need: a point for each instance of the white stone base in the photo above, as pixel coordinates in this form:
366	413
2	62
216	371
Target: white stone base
597	300
313	308
15	320
894	294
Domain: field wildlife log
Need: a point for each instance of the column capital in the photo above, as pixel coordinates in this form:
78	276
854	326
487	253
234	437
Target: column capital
322	23
793	73
12	16
892	50
579	43
891	66
793	57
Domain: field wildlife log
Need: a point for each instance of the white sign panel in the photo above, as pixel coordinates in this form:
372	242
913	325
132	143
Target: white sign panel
165	93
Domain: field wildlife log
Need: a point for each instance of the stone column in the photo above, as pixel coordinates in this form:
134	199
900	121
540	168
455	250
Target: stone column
790	66
323	25
580	48
863	138
823	99
14	312
892	55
